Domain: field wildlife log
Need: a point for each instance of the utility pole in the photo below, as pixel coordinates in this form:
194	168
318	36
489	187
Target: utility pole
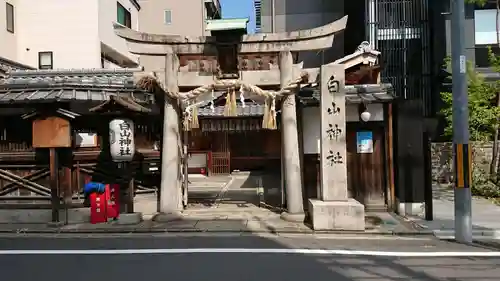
462	150
273	16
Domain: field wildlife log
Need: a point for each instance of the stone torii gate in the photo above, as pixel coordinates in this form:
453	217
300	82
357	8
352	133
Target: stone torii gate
160	56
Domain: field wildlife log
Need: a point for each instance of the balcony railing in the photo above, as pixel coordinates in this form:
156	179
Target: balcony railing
213	9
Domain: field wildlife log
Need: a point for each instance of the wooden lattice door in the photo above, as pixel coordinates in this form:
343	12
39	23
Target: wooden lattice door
221	163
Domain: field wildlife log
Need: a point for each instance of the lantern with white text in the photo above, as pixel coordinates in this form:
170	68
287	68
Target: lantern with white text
121	140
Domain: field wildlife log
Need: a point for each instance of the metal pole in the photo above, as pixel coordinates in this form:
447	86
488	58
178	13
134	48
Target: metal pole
273	16
462	151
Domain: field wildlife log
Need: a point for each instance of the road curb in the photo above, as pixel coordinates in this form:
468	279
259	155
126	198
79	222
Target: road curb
492	234
117	230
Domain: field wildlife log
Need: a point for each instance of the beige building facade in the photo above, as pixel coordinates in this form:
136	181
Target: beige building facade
60	34
188	17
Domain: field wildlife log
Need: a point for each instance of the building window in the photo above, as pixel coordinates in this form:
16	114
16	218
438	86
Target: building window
10	17
486	5
45	60
168	17
482	56
123	16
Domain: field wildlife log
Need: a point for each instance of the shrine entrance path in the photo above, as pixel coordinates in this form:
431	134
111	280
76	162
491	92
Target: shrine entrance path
232	204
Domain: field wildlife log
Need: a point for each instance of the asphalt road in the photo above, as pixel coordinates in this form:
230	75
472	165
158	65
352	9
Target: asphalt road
97	258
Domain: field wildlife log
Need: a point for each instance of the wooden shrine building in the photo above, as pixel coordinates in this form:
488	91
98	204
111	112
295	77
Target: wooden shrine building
81	99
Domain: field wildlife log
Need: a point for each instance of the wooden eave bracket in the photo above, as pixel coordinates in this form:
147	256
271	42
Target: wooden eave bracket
59	112
125	102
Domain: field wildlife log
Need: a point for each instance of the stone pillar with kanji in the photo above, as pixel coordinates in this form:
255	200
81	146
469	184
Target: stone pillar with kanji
334	210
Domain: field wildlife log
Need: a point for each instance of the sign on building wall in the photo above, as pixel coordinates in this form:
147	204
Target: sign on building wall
364	141
121	138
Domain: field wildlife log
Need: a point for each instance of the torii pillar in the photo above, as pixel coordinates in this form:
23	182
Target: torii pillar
290	142
170	187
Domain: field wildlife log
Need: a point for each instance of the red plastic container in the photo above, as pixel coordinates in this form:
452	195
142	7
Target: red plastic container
112	199
98	213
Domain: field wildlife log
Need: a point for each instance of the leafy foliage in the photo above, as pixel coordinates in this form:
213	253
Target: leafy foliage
482	185
483	112
480	3
484	117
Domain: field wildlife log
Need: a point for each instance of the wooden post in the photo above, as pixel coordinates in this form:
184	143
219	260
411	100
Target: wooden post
185	172
78	179
130	196
51	131
390	160
54	184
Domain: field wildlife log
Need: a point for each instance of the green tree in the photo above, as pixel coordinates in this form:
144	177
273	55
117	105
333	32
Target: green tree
482	133
483	113
483	124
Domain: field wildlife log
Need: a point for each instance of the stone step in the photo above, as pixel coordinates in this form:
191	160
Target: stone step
199	178
208	184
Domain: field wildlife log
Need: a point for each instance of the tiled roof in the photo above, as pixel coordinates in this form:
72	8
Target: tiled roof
7	66
81	77
369	93
21	96
40	86
354	94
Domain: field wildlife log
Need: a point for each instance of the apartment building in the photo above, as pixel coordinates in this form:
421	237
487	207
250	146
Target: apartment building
8	39
186	17
292	15
61	34
485	33
401	31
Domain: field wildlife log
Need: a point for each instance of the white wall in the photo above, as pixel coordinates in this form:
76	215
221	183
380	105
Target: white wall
311	123
67	28
187	17
8	40
107	16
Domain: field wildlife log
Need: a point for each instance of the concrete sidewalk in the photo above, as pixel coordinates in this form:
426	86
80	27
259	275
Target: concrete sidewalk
485	216
213	220
229	204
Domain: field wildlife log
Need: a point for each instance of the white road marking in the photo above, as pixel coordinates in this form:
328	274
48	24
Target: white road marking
251	251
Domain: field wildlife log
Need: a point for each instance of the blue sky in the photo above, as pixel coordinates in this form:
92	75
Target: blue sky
239	9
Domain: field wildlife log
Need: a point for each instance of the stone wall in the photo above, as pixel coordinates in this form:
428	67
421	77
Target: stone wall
442	159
